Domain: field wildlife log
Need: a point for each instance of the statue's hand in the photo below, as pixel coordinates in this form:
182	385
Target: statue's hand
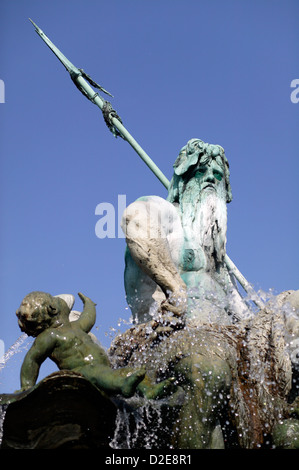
171	315
176	303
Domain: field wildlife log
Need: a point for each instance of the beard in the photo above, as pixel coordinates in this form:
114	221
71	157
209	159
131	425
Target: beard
204	220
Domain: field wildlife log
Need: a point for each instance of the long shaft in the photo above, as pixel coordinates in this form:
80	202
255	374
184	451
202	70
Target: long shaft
79	80
96	99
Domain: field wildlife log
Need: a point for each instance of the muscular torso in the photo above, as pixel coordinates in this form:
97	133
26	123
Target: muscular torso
207	297
74	349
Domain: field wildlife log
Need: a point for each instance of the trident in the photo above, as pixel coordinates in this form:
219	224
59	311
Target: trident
114	123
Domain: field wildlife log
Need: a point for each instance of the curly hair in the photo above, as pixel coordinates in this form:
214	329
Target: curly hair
194	152
36	312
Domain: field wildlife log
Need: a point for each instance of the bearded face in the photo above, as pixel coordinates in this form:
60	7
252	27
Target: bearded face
203	208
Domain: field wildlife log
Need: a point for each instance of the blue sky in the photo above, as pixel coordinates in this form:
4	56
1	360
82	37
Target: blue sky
178	69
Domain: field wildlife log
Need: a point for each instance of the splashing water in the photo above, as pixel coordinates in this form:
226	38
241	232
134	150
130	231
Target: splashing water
122	325
276	317
140	423
17	347
3	409
11	362
138	428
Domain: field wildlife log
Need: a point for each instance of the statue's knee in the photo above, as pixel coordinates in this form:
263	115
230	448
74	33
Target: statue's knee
212	372
221	373
134	218
130	213
142	218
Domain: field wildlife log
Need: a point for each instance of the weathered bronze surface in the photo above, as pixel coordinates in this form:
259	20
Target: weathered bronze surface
63	411
222	374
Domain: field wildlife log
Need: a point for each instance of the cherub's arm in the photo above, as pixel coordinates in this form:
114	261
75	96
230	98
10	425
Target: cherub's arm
39	351
88	316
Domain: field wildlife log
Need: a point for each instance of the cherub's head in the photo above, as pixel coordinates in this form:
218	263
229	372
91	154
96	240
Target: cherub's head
40	310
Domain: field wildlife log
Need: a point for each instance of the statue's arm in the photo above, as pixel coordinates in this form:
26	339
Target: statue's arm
88	317
146	225
39	351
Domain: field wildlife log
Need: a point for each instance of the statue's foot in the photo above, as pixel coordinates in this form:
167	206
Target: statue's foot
159	390
131	382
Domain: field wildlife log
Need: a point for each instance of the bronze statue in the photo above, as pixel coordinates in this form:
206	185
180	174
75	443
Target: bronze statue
234	368
205	334
70	346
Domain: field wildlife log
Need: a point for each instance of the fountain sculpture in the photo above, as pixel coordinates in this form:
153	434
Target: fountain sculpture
201	367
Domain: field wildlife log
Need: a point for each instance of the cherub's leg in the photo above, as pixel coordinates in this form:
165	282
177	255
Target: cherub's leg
114	381
146	387
153	391
131	382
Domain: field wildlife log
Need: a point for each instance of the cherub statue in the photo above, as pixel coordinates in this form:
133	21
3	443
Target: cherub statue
70	345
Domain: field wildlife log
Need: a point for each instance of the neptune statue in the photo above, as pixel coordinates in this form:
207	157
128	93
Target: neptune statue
176	247
190	320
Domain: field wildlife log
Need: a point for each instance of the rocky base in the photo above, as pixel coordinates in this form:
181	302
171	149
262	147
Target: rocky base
62	411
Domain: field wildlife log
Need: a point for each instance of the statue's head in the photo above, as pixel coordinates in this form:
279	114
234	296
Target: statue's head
40	310
205	162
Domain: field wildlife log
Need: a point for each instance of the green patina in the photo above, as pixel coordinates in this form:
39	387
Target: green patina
69	345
